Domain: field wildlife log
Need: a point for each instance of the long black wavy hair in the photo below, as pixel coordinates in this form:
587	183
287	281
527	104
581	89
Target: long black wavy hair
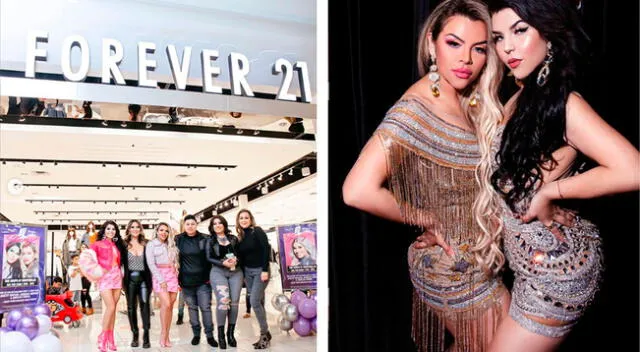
538	125
117	239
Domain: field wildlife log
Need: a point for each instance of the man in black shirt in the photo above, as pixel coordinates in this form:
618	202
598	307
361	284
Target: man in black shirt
193	277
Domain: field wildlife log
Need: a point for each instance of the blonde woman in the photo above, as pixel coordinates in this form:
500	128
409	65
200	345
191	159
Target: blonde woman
253	251
162	258
427	150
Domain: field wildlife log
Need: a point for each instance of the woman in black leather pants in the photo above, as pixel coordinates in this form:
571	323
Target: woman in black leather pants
137	281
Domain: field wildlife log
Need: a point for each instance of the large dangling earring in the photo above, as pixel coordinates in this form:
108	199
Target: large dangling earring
434	77
475	100
544	71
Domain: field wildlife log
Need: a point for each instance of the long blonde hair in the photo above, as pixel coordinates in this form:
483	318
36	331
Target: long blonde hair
485	118
171	243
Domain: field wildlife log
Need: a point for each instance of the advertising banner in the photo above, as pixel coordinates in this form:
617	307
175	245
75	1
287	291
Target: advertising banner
297	254
23	258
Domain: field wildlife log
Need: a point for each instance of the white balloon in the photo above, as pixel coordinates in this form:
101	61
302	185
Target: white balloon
15	341
46	343
44	324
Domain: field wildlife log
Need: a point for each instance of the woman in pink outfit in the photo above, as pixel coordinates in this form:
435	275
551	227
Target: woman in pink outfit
107	248
162	258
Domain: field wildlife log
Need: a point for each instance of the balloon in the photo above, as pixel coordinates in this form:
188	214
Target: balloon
46	343
302	326
28	326
42	309
12	318
44	324
314	327
297	296
290	312
284	324
307	308
279	300
27	311
15	341
314	297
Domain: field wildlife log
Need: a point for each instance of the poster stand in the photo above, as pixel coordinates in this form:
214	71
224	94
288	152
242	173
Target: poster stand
22	258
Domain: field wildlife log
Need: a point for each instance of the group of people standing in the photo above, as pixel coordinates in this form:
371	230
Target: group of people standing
192	262
484	180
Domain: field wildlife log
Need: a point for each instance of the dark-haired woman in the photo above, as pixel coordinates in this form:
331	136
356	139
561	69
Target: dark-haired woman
108	248
225	277
137	281
555	255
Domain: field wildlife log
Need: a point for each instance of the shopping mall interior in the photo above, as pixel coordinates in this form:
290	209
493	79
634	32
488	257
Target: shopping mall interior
80	151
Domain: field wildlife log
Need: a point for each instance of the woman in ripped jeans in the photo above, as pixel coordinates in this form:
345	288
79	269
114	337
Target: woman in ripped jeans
225	277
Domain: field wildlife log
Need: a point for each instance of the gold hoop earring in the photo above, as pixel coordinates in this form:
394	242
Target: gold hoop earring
434	77
544	71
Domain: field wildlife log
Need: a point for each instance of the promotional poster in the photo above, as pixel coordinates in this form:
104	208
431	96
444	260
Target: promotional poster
22	265
298	256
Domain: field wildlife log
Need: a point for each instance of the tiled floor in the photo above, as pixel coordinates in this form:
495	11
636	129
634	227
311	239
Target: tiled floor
247	331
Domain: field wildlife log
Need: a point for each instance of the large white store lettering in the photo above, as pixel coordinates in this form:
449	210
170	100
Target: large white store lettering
113	53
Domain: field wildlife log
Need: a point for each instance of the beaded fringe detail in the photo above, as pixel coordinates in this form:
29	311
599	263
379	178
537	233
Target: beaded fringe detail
431	194
472	329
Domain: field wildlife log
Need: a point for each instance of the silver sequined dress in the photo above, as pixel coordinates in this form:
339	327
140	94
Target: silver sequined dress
557	273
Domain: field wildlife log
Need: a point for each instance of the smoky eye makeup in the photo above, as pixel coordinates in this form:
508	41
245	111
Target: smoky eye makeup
452	43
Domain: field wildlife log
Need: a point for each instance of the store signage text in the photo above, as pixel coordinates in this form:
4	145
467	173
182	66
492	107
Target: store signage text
113	53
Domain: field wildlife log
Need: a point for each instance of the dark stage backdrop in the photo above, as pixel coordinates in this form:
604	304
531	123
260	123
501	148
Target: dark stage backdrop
372	50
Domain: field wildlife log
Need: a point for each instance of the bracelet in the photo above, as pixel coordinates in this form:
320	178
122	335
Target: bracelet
558	187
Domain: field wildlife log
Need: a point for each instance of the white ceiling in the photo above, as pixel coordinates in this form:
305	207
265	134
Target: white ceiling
255	158
292	204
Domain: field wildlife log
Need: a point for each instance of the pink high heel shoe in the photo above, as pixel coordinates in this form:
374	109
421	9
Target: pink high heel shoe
164	341
111	344
102	342
167	342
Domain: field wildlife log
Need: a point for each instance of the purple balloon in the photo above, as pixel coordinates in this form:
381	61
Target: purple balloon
42	309
314	327
4	330
27	311
28	326
307	308
297	296
12	318
302	326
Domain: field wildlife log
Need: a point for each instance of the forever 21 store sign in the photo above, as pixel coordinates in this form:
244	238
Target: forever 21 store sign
113	53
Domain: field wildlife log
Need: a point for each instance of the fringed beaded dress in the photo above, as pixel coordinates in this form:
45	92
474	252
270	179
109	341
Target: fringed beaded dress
431	173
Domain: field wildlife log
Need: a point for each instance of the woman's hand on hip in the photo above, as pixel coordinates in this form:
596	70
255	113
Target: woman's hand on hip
543	209
431	238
